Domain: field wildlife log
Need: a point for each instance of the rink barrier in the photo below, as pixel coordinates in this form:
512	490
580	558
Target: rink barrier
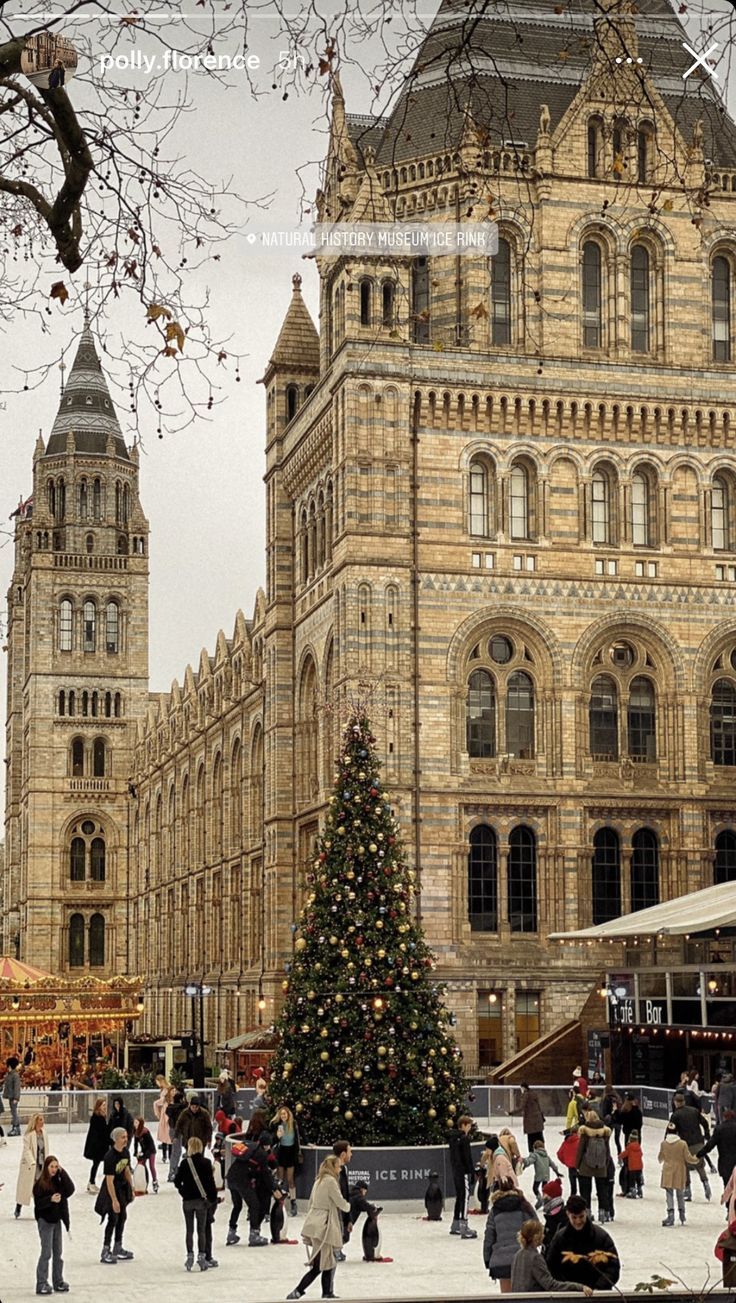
396	1173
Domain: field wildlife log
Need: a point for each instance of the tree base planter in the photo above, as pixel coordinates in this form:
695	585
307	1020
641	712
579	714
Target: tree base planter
396	1173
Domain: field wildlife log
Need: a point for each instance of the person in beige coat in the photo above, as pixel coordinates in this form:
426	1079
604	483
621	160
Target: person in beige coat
35	1149
675	1157
322	1229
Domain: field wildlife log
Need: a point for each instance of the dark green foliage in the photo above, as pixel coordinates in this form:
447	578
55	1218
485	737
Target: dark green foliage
366	1050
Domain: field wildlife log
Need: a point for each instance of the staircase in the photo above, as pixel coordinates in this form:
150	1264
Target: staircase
554	1056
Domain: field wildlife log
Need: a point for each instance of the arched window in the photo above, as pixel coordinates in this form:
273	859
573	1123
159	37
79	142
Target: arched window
95	703
595	147
645	153
60	500
89	626
720	514
640	510
592	295
480	499
112	628
108	705
236	796
292	402
117	705
420	302
89	543
606	882
724	868
71	702
51	498
82	499
601	493
97	941
366	303
387	303
97	859
77	855
66	624
603	719
642	720
520	716
639	299
644	869
483	880
122	545
96	500
76	941
481	715
98	758
62	702
501	294
522	880
721	309
77	757
723	723
304	547
519	504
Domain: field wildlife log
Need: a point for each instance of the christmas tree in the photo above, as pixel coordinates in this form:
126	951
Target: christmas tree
365	1047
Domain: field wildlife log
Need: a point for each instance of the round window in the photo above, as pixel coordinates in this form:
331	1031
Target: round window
501	649
622	654
88	827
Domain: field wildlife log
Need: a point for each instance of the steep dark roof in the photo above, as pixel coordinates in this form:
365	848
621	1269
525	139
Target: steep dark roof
510	56
86	408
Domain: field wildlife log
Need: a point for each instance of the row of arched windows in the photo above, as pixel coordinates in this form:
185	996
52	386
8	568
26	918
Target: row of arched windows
610	150
314	542
521	880
88	761
87	635
489	513
89	704
94	935
90	499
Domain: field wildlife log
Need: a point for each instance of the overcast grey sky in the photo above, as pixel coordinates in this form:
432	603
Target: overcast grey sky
202	489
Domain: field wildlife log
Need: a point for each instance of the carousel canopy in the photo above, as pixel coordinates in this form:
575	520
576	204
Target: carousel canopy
14	971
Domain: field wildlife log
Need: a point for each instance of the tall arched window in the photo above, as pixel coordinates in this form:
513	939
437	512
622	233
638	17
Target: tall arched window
645	153
520	716
112	628
600	495
77	854
98	758
719	514
292	402
97	859
721	309
639	299
481	715
420	300
71	702
603	719
97	941
77	757
644	869
642	720
89	626
199	816
236	796
606	883
480	499
640	510
724	868
595	148
366	303
82	499
96	500
483	880
387	303
592	295
304	547
501	294
723	723
76	941
519	502
522	880
66	624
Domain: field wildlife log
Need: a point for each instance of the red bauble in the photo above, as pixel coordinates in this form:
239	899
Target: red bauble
358	941
374	791
389	981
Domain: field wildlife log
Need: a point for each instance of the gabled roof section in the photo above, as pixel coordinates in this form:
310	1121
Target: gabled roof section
370	204
86	408
297	346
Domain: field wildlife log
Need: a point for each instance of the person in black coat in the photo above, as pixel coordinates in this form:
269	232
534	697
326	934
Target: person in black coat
630	1117
51	1194
120	1117
692	1127
195	1170
251	1181
174	1111
97	1142
723	1138
463	1175
582	1252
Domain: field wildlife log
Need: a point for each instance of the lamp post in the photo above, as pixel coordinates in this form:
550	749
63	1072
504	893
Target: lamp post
197	991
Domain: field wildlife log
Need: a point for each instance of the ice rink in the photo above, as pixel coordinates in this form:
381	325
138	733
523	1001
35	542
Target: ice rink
427	1262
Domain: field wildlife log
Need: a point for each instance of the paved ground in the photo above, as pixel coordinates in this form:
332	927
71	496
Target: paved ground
427	1263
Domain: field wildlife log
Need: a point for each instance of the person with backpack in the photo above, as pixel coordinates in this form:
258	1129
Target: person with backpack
592	1163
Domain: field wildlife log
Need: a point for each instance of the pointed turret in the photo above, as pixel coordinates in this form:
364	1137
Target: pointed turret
297	346
86	409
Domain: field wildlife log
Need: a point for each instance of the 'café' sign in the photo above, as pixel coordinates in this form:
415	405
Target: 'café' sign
652	1013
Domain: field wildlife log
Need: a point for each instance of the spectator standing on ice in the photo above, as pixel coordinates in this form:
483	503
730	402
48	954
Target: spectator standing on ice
532	1117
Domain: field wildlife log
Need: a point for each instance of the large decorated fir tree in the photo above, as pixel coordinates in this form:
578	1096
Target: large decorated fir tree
365	1048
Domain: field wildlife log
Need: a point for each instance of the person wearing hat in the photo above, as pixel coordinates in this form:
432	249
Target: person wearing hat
675	1157
553	1210
632	1168
195	1120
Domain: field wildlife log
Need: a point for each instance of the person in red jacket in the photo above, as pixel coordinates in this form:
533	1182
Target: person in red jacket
567	1154
632	1173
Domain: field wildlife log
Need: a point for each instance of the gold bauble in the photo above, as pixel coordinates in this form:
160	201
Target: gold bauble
348	1115
316	1099
432	1053
300	944
382	1050
364	1102
432	1112
372	848
310	995
305	1028
357	1074
324	1033
392	1102
379	922
452	1109
333	941
288	1067
381	954
324	1056
298	1108
414	975
284	986
344	954
338	998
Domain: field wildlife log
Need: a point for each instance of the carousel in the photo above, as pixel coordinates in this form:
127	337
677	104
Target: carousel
61	1028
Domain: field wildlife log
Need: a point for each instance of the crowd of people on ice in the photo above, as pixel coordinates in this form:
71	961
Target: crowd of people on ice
554	1240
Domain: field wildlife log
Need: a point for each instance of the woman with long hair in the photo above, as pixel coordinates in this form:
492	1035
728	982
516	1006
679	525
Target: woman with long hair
163	1135
144	1149
31	1161
288	1152
509	1210
98	1141
195	1182
51	1194
529	1271
322	1229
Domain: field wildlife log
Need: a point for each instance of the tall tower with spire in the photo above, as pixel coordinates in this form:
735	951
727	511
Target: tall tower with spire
77	686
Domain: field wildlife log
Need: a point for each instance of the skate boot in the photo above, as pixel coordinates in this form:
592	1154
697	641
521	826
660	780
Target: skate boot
232	1238
708	1191
212	1262
202	1262
256	1240
466	1233
455	1229
123	1255
293	1208
107	1256
189	1261
669	1220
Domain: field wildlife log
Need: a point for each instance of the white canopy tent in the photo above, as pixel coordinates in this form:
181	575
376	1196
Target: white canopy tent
699	911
